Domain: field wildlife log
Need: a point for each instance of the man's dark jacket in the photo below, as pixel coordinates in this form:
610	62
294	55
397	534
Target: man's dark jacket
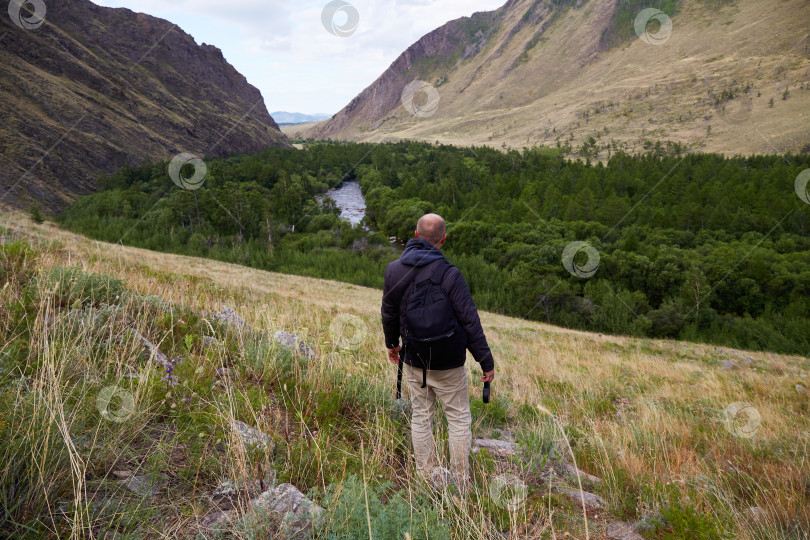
418	261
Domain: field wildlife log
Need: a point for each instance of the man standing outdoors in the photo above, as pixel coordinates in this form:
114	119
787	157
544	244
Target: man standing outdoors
434	367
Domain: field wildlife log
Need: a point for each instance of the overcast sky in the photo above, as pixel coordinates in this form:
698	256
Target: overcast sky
283	48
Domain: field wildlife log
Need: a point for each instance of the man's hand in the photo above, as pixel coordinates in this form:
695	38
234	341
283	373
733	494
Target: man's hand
393	355
488	376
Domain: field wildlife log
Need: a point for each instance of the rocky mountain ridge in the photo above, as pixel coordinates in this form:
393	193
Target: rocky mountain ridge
94	88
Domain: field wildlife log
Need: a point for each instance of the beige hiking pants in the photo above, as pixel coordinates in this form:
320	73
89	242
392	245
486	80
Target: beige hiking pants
450	386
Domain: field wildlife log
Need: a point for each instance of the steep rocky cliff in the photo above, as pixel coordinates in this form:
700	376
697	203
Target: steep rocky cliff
96	88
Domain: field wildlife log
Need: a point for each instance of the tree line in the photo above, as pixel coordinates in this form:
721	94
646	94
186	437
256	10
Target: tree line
693	246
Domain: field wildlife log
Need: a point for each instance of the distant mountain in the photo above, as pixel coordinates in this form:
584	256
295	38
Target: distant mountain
716	76
298	118
96	88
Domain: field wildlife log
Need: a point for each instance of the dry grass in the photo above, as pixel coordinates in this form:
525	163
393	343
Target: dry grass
642	92
644	415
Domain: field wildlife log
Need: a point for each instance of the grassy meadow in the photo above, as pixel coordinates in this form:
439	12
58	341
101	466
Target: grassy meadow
646	416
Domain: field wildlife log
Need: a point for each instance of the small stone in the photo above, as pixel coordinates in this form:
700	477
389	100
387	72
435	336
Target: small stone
227	315
570	469
215	520
505	434
729	364
146	485
209	342
225	490
591	500
502	448
154	353
297	513
122	474
801	389
228	492
748	360
291	341
251	436
224	373
619	530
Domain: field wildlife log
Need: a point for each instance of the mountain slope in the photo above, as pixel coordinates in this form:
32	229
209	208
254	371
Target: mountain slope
672	427
97	88
535	72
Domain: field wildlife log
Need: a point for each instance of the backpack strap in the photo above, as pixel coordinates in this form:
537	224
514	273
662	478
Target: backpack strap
439	272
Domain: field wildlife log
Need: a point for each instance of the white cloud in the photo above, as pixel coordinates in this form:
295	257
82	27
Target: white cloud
284	50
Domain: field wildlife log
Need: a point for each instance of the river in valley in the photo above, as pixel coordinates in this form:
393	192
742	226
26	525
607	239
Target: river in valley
350	200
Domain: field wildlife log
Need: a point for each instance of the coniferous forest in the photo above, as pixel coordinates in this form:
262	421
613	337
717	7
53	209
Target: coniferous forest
671	245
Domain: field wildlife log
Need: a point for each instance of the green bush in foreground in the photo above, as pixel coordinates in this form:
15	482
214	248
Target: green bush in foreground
348	516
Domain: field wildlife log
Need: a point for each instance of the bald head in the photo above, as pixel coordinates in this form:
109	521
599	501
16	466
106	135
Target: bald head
431	227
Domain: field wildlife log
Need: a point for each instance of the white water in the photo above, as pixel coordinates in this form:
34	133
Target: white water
350	200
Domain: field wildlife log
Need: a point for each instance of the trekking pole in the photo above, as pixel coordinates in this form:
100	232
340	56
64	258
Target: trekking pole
399	379
485	397
399	376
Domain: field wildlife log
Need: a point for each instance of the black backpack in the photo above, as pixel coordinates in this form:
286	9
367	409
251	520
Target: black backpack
433	333
429	314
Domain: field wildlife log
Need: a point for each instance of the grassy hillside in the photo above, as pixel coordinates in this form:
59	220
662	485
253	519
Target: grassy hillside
732	77
645	416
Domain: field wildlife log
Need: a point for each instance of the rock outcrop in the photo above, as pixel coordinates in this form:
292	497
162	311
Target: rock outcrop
96	88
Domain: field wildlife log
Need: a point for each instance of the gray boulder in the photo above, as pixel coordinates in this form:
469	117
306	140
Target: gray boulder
251	436
573	471
154	353
591	500
228	315
619	530
217	520
501	448
291	341
147	485
296	514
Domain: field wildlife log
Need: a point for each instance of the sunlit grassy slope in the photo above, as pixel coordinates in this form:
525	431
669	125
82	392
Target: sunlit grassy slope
644	415
716	84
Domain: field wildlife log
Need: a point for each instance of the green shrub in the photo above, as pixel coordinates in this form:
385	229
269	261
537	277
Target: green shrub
346	516
72	287
36	215
16	262
688	522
